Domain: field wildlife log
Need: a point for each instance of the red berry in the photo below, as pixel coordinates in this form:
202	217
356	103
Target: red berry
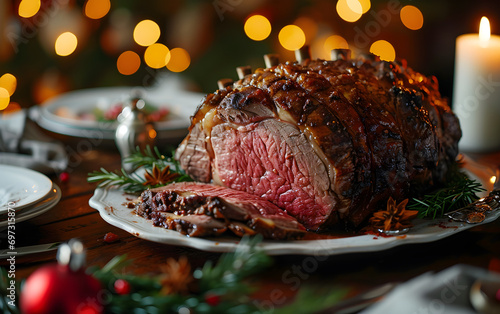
110	237
64	176
212	299
122	286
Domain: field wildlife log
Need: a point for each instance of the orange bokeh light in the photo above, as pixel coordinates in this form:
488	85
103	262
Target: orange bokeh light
292	37
4	98
411	17
179	60
28	8
257	27
96	9
157	55
128	63
384	50
349	10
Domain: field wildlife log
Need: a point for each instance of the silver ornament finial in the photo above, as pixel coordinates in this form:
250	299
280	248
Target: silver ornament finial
72	254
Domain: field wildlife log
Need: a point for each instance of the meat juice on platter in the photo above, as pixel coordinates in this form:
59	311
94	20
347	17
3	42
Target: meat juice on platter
308	145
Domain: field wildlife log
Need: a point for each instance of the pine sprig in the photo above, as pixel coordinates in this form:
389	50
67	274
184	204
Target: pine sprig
226	276
459	191
307	301
226	279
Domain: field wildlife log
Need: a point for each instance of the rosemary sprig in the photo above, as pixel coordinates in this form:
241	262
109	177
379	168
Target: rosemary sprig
148	158
133	183
130	183
458	192
151	157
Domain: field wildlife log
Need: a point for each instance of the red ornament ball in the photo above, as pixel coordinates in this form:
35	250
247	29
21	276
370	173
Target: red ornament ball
122	286
56	288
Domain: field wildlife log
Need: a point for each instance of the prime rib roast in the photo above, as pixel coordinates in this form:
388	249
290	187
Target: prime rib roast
326	142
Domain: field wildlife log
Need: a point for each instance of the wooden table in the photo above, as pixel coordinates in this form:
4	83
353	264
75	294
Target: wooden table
72	217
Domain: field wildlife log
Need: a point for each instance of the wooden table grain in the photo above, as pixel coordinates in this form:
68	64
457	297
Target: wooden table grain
72	217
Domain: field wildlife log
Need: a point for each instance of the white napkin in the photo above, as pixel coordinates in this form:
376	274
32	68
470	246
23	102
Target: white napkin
446	292
11	130
23	145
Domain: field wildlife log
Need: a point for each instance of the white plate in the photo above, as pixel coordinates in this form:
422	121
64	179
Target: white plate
62	114
109	202
21	186
38	209
51	197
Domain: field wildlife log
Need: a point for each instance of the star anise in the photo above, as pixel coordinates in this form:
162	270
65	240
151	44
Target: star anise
176	276
394	217
157	176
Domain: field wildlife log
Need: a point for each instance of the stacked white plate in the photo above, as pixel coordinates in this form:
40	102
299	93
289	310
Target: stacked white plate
25	194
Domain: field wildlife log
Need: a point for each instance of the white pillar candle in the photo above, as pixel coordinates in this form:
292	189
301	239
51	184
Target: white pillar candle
476	91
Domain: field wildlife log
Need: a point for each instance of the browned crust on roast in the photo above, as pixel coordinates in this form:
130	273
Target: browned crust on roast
383	128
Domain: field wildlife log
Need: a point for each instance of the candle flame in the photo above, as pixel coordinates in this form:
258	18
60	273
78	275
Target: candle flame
484	30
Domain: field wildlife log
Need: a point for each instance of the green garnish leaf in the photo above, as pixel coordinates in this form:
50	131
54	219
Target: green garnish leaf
458	192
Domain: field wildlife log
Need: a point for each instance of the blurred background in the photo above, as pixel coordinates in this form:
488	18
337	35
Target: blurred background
48	47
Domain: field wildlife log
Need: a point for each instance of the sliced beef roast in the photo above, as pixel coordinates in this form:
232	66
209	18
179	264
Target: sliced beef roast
326	141
198	209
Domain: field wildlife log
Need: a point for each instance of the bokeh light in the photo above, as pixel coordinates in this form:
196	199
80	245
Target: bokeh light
335	42
9	82
257	27
308	26
128	63
411	17
96	9
365	5
49	84
4	98
355	6
156	56
493	179
179	60
66	44
28	8
152	133
146	33
292	37
384	50
345	11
